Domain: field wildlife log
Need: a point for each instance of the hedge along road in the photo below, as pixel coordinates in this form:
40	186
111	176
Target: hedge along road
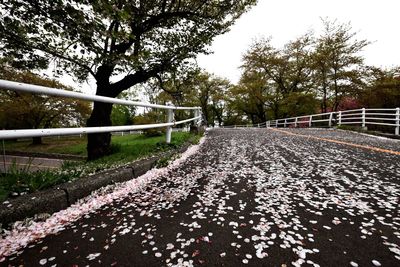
256	197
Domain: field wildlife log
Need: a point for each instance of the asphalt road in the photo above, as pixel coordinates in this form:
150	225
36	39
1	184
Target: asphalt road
253	197
29	164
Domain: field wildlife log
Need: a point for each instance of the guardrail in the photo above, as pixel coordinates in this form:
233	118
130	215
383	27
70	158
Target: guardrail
362	117
25	133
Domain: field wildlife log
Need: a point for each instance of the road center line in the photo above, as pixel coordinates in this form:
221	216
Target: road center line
377	149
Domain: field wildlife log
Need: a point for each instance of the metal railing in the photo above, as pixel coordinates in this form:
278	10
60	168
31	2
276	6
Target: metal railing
25	133
361	117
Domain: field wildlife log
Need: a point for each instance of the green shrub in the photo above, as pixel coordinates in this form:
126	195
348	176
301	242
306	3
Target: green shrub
18	181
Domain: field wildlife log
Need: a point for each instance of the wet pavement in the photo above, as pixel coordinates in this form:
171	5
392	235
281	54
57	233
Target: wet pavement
244	197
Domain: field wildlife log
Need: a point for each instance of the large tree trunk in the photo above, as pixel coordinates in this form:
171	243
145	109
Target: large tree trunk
99	143
261	113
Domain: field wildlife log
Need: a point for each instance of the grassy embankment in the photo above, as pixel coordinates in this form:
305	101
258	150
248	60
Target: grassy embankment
125	149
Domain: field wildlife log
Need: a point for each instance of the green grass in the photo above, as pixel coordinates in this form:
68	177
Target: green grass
77	145
63	145
20	181
125	150
130	148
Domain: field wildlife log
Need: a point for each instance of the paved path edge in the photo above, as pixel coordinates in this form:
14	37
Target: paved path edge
63	195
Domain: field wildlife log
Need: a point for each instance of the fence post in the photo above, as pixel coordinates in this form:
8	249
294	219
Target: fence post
330	119
310	121
169	128
340	118
201	115
295	122
363	118
397	131
285	123
197	113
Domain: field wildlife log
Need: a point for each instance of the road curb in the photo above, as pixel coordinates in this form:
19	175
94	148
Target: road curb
45	201
62	196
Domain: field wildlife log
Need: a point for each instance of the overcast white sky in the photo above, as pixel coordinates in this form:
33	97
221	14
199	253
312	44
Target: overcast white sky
377	21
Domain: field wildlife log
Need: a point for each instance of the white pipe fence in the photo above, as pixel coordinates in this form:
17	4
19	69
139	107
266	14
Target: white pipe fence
360	117
25	133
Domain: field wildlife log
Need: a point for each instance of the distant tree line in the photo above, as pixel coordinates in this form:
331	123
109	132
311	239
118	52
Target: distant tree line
313	74
310	74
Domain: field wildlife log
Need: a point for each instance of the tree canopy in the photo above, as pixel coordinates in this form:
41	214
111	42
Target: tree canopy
308	73
103	38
